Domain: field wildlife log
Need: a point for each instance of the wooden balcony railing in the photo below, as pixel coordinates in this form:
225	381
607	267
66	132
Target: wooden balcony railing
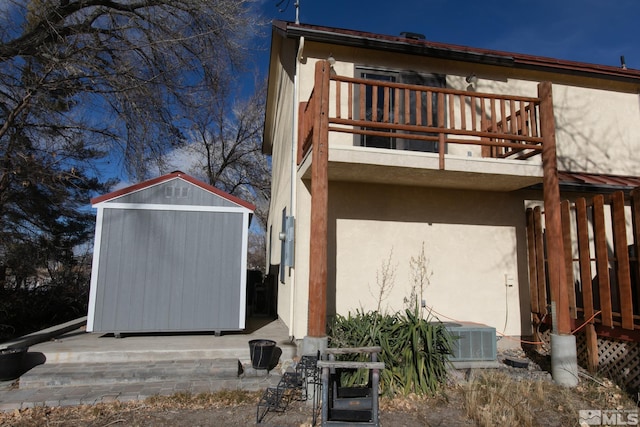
504	126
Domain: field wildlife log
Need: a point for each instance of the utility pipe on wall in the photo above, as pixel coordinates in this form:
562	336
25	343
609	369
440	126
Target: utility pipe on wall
292	196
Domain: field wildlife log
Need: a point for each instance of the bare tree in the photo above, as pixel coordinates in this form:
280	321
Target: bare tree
114	72
224	148
85	82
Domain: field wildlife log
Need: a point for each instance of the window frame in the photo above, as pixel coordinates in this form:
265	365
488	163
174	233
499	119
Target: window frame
400	76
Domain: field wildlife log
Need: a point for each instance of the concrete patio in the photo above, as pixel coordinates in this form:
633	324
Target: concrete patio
87	368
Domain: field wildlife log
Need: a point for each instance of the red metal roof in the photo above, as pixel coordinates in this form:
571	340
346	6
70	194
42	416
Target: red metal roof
168	177
601	180
382	42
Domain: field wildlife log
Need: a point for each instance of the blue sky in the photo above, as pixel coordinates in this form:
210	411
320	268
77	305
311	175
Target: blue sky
595	31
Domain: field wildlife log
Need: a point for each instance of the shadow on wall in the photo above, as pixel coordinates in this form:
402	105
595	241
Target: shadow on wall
482	210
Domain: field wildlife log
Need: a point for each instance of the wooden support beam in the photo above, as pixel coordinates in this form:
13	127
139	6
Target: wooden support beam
602	260
441	136
592	348
621	254
553	221
584	257
635	221
565	214
541	269
531	252
317	320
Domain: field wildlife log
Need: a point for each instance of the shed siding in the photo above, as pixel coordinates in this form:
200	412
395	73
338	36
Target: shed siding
168	270
174	192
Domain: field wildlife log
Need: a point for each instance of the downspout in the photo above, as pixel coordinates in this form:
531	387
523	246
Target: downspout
294	144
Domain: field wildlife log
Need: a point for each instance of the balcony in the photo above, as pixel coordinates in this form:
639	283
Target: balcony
392	133
508	132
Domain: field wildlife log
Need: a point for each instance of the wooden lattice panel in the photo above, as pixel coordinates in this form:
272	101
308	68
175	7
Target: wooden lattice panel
619	361
581	348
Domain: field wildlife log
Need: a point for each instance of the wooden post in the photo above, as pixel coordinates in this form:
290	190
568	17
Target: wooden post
635	221
533	271
541	268
553	221
592	348
536	309
441	135
319	205
621	254
602	260
565	214
584	256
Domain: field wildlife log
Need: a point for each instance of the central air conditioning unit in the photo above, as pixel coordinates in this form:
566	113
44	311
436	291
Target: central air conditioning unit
472	342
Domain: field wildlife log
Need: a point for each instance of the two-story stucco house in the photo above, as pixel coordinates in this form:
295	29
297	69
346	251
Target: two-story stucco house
402	142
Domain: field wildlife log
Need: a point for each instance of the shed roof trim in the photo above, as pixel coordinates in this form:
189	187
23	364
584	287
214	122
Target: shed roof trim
168	177
451	51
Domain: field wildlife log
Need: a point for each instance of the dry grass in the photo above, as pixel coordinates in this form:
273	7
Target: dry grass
408	403
491	398
121	413
89	415
224	398
495	398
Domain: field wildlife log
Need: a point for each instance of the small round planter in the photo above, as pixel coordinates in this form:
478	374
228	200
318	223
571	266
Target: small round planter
261	352
11	363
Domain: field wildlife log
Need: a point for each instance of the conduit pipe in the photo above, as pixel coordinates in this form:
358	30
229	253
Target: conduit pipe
292	196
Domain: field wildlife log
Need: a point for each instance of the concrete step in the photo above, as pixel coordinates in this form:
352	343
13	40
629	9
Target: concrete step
29	394
81	347
167	355
89	374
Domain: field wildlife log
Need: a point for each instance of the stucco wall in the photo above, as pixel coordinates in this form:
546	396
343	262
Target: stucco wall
474	245
280	133
597	127
474	240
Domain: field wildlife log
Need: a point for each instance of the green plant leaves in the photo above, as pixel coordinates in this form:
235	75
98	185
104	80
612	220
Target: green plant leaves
415	350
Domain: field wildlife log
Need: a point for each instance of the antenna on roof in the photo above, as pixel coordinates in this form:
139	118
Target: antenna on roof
286	6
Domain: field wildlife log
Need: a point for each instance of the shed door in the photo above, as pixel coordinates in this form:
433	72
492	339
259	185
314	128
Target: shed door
169	271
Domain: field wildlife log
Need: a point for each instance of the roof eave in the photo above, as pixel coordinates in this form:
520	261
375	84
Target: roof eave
454	52
408	47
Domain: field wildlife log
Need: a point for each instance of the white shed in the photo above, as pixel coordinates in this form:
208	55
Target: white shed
170	254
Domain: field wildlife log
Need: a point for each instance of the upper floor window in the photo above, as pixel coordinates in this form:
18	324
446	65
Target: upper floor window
377	111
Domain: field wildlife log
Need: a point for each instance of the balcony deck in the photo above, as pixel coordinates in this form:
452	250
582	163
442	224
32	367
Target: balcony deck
432	136
400	167
506	129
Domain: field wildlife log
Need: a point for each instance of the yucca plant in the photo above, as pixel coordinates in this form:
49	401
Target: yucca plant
414	349
423	348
